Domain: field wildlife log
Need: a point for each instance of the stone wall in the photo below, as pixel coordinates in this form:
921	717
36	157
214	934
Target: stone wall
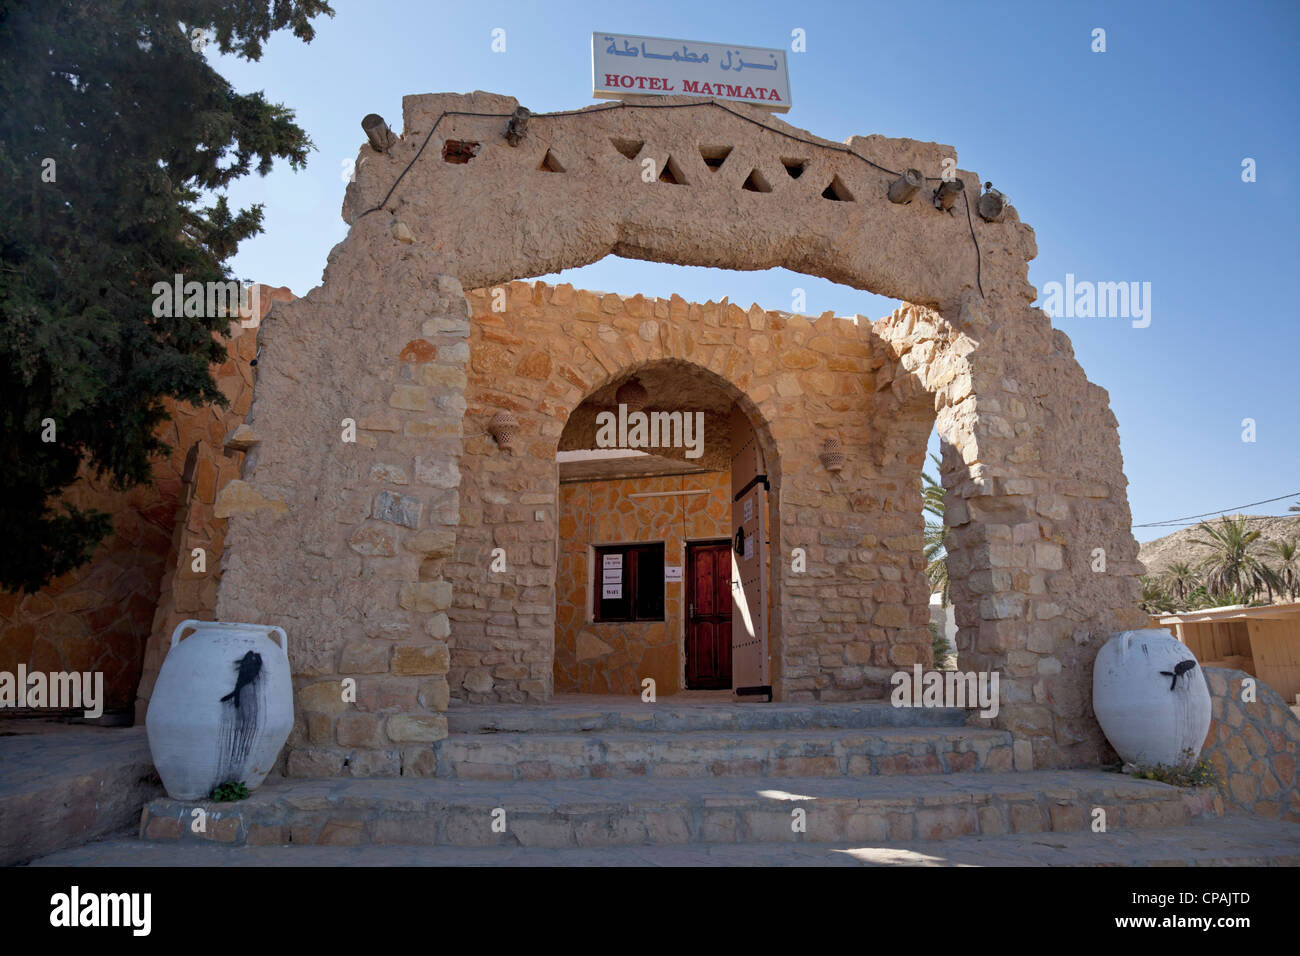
1254	746
1032	456
186	592
100	617
839	628
613	657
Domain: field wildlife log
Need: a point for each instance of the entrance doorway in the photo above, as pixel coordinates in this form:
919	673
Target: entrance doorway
708	615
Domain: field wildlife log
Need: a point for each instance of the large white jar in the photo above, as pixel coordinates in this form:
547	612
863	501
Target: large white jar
222	707
1150	697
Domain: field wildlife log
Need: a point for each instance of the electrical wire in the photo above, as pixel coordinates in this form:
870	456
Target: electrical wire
1209	514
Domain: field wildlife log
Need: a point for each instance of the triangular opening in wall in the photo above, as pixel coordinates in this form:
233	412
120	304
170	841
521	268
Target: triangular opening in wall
715	156
628	147
672	173
837	191
794	167
550	164
756	183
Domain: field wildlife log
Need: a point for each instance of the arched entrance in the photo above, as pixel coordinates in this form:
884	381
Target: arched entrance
326	539
644	585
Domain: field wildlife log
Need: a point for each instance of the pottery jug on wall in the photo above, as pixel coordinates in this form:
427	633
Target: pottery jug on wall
222	707
1150	697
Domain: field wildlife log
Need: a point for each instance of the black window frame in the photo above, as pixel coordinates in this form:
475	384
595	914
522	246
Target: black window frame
637	609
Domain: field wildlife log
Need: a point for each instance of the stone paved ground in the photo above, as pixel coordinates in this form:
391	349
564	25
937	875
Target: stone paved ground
1231	841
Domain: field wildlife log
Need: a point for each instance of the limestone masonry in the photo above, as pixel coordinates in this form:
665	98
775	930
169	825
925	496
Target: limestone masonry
375	553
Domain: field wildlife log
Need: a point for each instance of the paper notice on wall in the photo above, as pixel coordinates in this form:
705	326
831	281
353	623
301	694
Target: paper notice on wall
749	509
613	576
614	591
749	547
672	572
613	561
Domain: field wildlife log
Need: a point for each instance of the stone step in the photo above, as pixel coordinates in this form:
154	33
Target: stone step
787	753
592	713
587	813
64	784
1208	841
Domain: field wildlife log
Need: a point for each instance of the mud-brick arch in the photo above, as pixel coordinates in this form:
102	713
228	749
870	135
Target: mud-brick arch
345	542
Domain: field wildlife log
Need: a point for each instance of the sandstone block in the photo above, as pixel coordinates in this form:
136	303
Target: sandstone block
396	509
425	595
416	728
421	659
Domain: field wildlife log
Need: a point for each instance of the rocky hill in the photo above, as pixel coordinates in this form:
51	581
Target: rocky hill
1157	555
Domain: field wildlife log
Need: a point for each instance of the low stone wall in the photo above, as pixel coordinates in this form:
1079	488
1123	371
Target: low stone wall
1254	745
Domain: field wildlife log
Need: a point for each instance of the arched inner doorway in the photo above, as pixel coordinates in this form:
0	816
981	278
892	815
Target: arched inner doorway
661	473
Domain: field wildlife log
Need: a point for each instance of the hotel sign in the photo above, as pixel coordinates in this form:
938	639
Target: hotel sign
622	64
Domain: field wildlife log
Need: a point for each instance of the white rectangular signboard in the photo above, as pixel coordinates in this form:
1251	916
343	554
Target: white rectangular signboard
622	64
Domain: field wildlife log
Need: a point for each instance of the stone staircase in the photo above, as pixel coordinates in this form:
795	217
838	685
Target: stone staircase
590	781
602	781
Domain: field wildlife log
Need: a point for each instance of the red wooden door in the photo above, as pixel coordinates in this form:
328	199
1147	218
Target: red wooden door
708	616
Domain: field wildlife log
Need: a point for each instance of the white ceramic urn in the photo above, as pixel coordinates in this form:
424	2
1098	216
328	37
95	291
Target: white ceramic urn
1150	697
222	707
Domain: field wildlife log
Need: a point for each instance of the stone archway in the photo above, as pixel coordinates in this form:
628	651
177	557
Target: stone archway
347	543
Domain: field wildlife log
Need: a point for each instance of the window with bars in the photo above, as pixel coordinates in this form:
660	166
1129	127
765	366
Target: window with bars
629	583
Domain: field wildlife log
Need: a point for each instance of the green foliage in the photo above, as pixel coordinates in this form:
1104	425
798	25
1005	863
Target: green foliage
943	656
936	533
229	792
143	136
1286	565
1155	599
1188	773
1233	568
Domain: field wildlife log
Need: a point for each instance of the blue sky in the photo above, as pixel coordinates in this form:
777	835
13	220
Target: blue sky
1127	164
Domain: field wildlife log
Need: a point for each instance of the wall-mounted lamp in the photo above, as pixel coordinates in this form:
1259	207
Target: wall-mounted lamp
632	394
992	205
517	128
377	131
903	188
503	428
832	454
947	194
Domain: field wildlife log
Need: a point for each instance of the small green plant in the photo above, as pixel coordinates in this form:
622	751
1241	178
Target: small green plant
943	657
1188	773
229	792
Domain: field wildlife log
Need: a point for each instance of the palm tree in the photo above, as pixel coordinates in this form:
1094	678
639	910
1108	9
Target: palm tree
1288	566
936	533
1232	567
1155	599
1181	579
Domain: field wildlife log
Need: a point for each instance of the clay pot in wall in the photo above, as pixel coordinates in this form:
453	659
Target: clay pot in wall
832	454
503	427
1151	699
222	707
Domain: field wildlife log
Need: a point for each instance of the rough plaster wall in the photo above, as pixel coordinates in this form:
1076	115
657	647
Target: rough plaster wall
1036	480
